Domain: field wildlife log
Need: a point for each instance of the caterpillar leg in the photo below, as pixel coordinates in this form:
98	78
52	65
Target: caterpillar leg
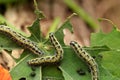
86	58
49	59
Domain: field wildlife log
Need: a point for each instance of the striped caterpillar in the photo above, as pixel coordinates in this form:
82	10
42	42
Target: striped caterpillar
21	40
49	59
87	58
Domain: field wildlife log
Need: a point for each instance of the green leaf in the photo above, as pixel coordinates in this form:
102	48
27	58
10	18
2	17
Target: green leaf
35	31
111	39
23	70
51	72
95	50
5	43
110	59
59	33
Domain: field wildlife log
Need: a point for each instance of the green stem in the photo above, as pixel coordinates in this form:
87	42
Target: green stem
39	13
54	25
104	19
81	13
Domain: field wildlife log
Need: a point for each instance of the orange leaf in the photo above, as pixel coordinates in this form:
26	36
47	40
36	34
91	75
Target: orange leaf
4	74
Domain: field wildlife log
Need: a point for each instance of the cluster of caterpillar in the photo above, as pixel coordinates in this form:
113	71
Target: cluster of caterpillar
50	59
30	45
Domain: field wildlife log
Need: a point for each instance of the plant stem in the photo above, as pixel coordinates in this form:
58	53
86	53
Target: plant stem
54	25
81	13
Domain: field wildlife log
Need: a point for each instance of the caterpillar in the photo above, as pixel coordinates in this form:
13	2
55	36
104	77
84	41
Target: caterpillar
87	58
49	59
21	40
